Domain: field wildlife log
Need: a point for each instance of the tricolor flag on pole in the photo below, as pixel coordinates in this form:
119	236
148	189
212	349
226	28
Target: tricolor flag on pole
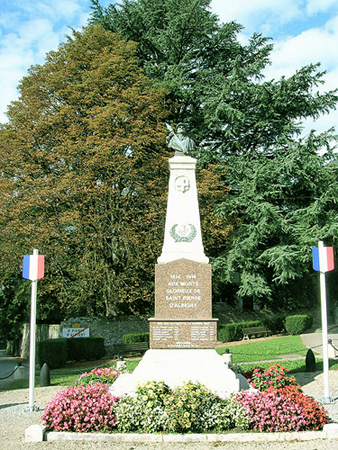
33	267
323	262
323	259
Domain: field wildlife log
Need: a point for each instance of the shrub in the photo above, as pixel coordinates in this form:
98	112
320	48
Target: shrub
273	378
137	337
275	324
81	409
315	415
230	332
105	375
297	324
270	411
52	352
85	348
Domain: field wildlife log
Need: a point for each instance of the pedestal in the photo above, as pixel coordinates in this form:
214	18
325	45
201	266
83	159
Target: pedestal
182	235
177	367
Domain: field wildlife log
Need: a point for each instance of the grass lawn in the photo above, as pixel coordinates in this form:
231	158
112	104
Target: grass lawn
286	347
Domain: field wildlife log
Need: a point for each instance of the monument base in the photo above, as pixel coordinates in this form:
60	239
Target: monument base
176	367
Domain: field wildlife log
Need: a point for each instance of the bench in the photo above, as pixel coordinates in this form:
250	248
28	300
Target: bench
122	350
254	331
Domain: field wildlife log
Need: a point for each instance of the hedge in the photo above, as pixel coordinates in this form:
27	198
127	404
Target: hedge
275	324
233	331
52	352
85	348
135	337
56	352
298	323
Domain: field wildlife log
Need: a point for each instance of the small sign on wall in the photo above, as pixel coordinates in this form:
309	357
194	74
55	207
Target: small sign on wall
75	332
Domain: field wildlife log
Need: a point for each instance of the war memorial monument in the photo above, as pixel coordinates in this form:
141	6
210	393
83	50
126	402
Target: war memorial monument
183	333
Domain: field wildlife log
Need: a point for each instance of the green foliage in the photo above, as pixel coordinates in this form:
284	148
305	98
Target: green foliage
279	189
233	331
83	174
136	337
85	348
282	202
84	154
53	352
275	324
14	309
298	323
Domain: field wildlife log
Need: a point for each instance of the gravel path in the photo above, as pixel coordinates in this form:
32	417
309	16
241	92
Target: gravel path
14	420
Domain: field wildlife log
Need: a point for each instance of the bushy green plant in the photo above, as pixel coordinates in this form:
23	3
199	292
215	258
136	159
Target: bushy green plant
275	324
298	323
135	337
230	332
85	348
52	352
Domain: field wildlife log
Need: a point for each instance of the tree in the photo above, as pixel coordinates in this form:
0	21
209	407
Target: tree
281	206
182	46
249	134
83	178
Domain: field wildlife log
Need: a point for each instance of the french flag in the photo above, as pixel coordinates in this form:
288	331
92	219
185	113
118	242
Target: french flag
33	267
323	259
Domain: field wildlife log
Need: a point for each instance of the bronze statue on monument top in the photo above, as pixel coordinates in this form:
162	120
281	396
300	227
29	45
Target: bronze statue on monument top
180	141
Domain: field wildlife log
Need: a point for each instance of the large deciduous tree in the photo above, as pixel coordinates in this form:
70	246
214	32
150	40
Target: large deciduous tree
83	177
249	133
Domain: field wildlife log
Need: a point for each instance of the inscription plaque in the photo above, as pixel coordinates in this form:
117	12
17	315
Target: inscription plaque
183	290
183	334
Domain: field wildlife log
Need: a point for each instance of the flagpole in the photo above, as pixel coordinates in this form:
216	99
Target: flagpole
324	327
32	343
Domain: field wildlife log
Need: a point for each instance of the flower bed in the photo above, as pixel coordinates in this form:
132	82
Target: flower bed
276	404
105	375
86	408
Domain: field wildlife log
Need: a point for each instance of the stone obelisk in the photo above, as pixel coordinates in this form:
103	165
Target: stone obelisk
183	333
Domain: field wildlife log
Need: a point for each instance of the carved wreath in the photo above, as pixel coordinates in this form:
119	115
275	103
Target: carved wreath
184	236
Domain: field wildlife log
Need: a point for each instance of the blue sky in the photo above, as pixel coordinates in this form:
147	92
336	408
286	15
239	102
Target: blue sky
303	32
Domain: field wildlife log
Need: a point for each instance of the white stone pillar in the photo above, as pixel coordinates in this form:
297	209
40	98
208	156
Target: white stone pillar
182	236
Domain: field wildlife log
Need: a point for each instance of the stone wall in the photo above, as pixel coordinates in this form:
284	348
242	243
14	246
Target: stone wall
111	331
42	332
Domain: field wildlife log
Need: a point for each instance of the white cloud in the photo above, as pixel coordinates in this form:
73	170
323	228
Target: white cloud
258	15
311	46
29	30
317	6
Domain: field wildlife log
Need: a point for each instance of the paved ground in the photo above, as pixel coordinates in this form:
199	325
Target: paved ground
7	366
314	339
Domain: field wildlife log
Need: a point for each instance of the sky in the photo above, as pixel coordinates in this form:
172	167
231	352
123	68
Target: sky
302	31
